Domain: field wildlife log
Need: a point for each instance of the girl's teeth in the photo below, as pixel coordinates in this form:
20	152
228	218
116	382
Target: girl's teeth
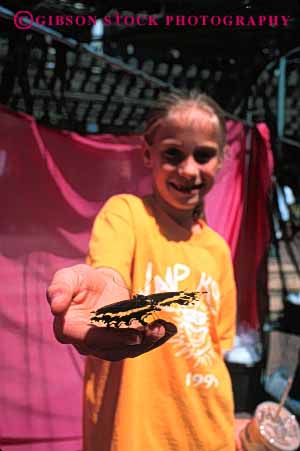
184	189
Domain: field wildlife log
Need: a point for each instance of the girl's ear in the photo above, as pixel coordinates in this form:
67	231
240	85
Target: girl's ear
147	158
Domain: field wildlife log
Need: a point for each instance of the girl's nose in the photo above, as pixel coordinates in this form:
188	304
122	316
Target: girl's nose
189	167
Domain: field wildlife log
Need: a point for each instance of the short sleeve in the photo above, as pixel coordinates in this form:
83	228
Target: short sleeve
112	240
228	306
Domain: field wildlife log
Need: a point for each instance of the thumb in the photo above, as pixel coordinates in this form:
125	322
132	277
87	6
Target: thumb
63	287
59	299
158	332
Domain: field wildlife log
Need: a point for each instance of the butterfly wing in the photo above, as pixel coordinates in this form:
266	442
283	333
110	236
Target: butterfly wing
122	312
140	307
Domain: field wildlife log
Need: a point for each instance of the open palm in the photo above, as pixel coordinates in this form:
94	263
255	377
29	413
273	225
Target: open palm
77	291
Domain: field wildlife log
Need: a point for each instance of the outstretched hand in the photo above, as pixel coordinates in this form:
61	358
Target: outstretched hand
77	291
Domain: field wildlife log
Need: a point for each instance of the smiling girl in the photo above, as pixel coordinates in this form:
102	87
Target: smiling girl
177	397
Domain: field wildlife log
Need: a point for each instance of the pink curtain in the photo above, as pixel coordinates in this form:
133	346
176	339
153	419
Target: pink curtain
52	185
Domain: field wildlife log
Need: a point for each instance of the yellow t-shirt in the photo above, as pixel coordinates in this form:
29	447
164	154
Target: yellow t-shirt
177	397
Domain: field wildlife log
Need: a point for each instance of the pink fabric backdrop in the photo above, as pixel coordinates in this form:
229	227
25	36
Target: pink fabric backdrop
52	185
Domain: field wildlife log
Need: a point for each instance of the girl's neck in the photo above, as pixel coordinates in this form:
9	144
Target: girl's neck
183	218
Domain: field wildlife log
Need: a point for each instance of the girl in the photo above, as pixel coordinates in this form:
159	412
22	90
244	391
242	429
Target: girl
178	396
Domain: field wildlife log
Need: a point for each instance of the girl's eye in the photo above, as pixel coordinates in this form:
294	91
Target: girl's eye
173	155
203	156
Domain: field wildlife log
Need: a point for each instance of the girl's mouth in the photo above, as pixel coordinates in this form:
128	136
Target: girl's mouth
186	188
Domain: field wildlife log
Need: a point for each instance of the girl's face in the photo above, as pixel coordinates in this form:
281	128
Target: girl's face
184	157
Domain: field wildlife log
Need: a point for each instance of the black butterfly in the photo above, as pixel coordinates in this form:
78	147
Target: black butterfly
140	307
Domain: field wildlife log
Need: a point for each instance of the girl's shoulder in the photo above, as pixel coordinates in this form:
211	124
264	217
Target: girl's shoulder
214	239
125	204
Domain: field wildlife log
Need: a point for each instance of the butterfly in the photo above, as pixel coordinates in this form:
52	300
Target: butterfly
140	307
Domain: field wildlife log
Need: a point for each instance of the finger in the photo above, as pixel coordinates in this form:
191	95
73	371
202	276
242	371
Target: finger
109	338
111	343
63	287
153	334
119	352
156	334
116	344
80	332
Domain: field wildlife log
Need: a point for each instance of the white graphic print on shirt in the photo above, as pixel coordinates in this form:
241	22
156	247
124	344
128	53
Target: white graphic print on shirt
193	340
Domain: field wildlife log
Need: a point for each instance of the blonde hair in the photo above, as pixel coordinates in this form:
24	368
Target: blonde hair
178	99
